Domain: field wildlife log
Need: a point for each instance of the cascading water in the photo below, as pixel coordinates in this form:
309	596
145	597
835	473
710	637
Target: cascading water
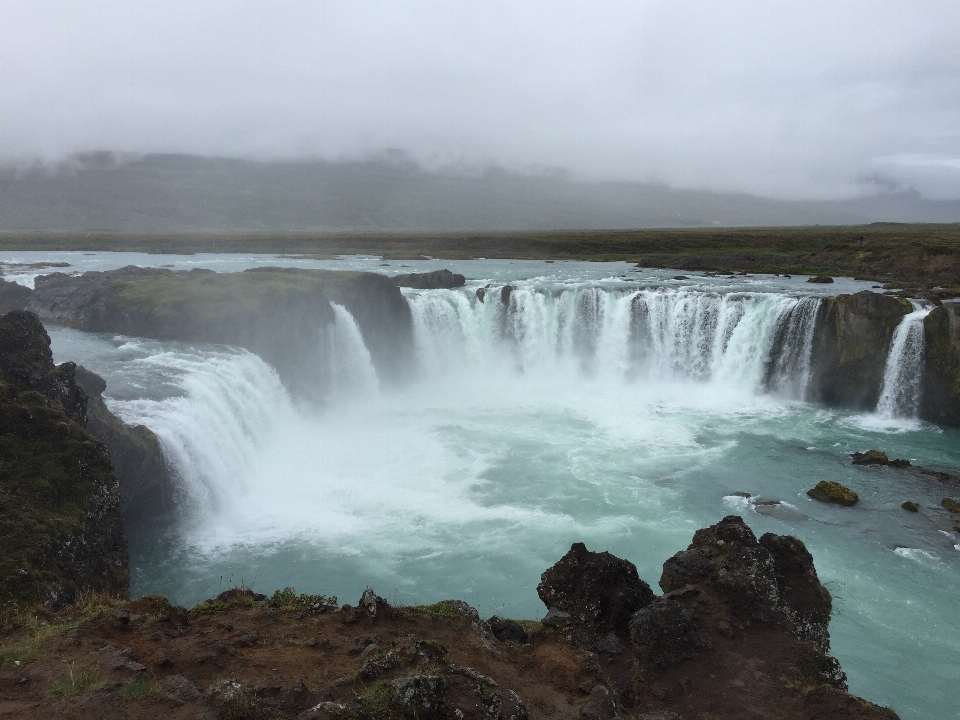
752	341
582	409
900	392
225	408
353	374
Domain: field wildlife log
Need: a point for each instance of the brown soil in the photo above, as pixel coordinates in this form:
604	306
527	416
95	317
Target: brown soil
290	661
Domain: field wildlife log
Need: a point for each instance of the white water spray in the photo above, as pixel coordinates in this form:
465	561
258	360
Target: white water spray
750	341
900	392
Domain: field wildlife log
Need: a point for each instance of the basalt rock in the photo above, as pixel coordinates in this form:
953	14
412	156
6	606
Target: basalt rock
830	491
870	457
283	315
850	344
772	579
59	500
600	591
13	296
940	399
146	485
438	279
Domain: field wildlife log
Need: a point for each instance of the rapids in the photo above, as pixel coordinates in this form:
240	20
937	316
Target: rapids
622	409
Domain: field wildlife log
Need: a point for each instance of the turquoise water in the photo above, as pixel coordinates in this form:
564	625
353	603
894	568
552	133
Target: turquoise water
471	480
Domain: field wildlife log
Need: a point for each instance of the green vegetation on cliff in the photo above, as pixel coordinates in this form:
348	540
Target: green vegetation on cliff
59	501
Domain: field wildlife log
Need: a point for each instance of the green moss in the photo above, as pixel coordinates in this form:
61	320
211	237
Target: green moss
829	491
137	688
287	600
442	609
951	505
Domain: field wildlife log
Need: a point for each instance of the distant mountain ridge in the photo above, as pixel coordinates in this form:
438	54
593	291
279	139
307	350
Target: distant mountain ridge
170	193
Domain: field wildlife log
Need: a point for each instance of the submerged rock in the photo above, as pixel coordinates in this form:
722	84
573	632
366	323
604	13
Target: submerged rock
830	491
910	506
870	457
950	505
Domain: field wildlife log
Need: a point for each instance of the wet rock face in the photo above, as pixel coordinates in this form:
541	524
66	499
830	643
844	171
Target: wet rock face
850	345
59	500
940	399
599	591
146	485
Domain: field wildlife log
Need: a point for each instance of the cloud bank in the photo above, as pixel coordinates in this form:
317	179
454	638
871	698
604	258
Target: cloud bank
799	100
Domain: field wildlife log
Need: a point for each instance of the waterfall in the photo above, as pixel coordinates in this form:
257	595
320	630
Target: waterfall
754	341
352	371
225	408
900	392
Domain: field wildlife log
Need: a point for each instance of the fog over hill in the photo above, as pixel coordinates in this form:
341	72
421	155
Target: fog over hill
101	191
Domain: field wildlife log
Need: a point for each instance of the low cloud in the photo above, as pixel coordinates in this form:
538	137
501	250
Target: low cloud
784	99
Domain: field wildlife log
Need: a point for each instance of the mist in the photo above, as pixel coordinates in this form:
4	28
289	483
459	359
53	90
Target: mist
787	100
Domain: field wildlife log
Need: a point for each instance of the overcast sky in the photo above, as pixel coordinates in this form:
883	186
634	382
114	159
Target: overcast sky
787	99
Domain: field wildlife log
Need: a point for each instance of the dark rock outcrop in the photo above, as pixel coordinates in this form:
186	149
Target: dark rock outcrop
732	580
13	296
599	591
59	500
732	604
832	492
146	485
940	399
822	279
438	279
850	345
282	315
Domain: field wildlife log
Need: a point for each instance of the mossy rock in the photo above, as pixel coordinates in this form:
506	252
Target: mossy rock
870	457
822	279
951	505
59	500
830	491
911	506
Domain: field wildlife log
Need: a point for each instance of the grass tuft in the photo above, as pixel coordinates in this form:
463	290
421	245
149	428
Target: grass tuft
82	680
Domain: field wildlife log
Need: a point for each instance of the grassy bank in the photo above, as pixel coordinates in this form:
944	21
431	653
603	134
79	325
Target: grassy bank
922	255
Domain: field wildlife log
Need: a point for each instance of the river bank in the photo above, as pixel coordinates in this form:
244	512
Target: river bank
920	257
